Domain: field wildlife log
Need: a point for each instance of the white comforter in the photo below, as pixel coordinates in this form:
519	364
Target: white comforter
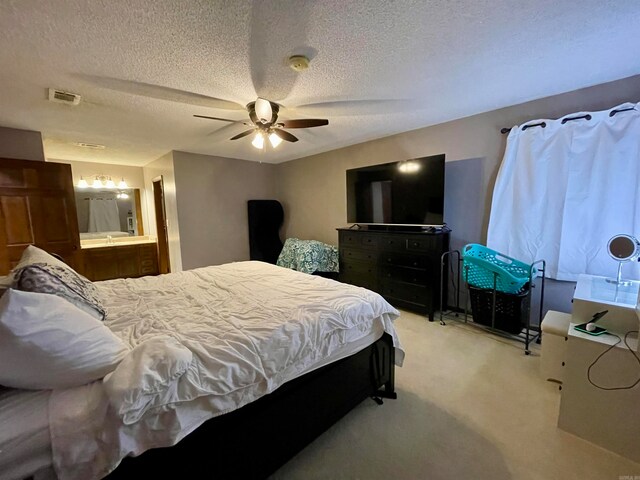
249	326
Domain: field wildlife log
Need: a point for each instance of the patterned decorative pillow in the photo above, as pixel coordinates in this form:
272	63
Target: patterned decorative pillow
308	256
33	254
63	282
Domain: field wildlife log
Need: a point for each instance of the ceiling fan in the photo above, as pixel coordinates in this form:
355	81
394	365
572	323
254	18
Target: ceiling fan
264	123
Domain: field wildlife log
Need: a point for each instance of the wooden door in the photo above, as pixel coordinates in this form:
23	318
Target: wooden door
161	226
37	207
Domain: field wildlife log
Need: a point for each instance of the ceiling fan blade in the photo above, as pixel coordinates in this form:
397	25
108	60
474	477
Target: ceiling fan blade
305	123
285	135
358	107
159	92
243	134
263	110
217	118
270	76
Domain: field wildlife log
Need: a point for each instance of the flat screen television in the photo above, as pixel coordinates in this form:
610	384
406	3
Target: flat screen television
410	192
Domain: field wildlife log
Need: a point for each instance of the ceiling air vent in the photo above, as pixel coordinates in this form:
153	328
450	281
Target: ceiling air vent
64	97
95	146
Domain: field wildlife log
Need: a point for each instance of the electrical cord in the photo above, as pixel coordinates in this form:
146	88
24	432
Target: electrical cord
626	336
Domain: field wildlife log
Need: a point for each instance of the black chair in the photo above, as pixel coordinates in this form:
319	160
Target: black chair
265	220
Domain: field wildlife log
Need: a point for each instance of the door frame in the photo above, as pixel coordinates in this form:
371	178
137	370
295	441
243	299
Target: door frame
162	229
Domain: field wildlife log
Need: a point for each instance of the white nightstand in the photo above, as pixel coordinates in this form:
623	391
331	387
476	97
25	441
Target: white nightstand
607	418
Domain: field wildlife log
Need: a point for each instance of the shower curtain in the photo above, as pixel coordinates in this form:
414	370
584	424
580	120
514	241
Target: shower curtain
104	215
564	190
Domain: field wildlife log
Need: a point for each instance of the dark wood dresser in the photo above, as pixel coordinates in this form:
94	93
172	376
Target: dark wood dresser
403	267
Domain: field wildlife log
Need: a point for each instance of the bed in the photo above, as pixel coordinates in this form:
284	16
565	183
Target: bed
278	357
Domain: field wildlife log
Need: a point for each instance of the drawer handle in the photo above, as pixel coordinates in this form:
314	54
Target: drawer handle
369	240
415	264
415	244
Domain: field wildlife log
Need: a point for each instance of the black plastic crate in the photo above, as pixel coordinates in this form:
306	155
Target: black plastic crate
512	309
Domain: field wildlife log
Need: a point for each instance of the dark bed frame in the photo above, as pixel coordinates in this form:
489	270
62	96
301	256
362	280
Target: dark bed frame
255	440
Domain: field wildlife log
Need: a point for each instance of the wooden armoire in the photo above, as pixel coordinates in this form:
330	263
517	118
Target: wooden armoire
37	207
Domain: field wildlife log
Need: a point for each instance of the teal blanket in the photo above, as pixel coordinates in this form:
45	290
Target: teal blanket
308	256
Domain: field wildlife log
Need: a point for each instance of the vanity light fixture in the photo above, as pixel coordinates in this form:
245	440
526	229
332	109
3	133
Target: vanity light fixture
102	181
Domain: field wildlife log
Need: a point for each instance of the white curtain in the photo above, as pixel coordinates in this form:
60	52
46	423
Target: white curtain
564	190
103	215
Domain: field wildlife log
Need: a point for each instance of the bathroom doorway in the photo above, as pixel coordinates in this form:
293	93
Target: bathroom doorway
161	225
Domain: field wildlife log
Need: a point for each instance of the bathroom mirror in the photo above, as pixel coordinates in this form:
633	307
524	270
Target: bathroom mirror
623	248
103	213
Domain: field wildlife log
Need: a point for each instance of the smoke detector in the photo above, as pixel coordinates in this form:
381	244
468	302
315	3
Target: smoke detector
298	63
61	96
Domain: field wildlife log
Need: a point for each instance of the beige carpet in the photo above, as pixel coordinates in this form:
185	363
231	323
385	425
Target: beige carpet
470	406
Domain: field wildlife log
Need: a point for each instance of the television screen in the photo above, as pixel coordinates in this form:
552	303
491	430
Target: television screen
410	192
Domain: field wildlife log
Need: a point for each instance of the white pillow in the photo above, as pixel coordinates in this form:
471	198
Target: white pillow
46	342
147	378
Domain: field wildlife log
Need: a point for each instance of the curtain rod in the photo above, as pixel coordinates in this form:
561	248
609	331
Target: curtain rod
565	120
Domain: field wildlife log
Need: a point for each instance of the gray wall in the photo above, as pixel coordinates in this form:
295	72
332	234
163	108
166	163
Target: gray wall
212	194
21	144
313	189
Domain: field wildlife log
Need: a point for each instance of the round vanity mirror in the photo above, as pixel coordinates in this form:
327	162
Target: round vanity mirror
623	248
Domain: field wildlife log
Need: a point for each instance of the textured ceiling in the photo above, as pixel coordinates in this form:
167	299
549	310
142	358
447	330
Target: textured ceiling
144	67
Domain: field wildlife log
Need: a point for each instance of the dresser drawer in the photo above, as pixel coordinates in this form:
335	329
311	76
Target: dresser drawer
400	260
404	274
349	238
369	241
361	255
358	268
415	294
423	243
395	243
359	280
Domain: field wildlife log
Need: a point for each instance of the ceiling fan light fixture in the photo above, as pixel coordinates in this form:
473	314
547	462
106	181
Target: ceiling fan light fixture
263	110
274	139
258	141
